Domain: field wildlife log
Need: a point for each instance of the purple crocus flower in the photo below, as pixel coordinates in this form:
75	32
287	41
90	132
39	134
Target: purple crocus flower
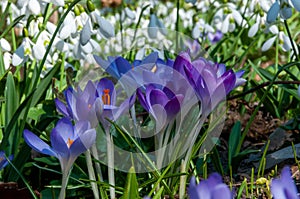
81	105
118	66
106	91
212	188
284	187
215	37
67	141
161	103
211	81
3	160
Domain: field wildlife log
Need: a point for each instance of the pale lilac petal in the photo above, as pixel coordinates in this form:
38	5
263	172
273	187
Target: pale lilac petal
59	145
83	143
61	107
64	128
37	144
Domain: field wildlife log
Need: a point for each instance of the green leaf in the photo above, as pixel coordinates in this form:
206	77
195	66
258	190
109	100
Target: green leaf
11	98
159	193
131	190
234	139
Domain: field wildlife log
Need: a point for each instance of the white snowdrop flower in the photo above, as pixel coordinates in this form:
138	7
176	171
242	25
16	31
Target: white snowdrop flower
201	28
22	52
68	27
5	46
29	7
298	91
39	48
7	60
206	5
227	17
260	23
284	40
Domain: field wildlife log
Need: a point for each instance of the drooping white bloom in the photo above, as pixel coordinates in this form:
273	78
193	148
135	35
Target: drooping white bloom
284	40
227	17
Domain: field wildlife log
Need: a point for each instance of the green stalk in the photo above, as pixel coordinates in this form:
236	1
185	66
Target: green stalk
91	173
64	183
110	164
182	185
22	177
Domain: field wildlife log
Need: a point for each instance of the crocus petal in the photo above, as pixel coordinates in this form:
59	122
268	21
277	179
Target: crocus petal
142	99
173	106
273	12
37	144
61	107
288	183
83	142
103	84
267	45
123	66
59	145
80	127
64	129
156	97
192	189
221	191
277	189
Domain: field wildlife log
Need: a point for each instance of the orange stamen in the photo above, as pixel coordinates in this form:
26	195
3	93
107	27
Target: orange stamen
106	97
70	142
153	70
89	106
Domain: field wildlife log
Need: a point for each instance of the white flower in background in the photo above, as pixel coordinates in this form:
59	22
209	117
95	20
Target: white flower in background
7	60
227	17
201	29
29	7
284	40
206	5
260	23
282	7
22	52
5	48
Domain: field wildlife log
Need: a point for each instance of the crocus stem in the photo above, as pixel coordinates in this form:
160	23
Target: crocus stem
110	162
64	183
97	165
182	184
91	174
